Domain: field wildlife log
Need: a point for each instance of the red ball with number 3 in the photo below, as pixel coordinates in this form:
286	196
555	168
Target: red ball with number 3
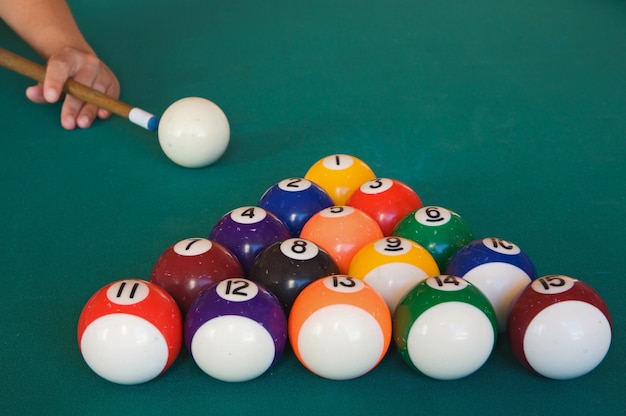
386	200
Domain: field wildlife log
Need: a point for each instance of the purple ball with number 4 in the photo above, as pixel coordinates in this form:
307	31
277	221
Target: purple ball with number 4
247	231
235	330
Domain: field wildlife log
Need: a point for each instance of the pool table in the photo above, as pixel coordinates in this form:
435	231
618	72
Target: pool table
513	114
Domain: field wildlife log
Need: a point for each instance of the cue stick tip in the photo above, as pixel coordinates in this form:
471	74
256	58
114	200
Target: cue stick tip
144	119
153	123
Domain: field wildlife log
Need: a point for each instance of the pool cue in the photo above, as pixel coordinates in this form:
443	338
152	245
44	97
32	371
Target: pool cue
37	72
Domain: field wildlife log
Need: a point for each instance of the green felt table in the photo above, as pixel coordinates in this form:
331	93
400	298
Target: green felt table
511	113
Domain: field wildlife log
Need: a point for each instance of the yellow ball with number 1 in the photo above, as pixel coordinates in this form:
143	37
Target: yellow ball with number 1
340	175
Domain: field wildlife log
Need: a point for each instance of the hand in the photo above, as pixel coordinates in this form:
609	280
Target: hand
83	67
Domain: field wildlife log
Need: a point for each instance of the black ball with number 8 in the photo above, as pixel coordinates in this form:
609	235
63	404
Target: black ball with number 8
287	267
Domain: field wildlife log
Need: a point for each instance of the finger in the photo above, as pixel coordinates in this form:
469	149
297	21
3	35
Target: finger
35	94
74	111
112	90
57	72
89	112
77	113
86	116
69	111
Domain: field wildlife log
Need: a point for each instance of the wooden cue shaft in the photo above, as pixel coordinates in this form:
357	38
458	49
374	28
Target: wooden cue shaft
37	72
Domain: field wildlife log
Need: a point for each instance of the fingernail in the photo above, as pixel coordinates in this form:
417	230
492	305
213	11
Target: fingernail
68	123
51	95
83	122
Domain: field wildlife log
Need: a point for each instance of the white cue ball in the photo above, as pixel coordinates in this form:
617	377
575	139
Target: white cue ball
194	132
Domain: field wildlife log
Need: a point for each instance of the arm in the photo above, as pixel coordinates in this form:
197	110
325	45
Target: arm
49	28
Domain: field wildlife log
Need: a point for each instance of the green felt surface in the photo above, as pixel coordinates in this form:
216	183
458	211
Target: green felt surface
513	114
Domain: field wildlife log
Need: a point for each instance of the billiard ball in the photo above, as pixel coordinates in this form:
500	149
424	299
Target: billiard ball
294	201
193	132
445	328
286	267
235	330
248	230
441	231
191	265
560	327
386	200
499	268
341	231
339	175
392	266
130	331
339	327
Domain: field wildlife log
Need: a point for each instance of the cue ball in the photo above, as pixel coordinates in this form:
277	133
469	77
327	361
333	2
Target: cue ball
499	268
191	265
339	327
339	175
342	231
194	132
235	330
445	328
560	327
295	200
392	266
247	231
287	267
439	230
130	331
386	200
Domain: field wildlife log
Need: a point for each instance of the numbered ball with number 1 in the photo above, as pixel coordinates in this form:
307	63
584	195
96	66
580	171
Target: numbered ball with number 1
235	330
339	175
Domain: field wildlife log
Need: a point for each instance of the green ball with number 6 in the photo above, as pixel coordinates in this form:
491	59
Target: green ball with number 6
445	328
439	230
